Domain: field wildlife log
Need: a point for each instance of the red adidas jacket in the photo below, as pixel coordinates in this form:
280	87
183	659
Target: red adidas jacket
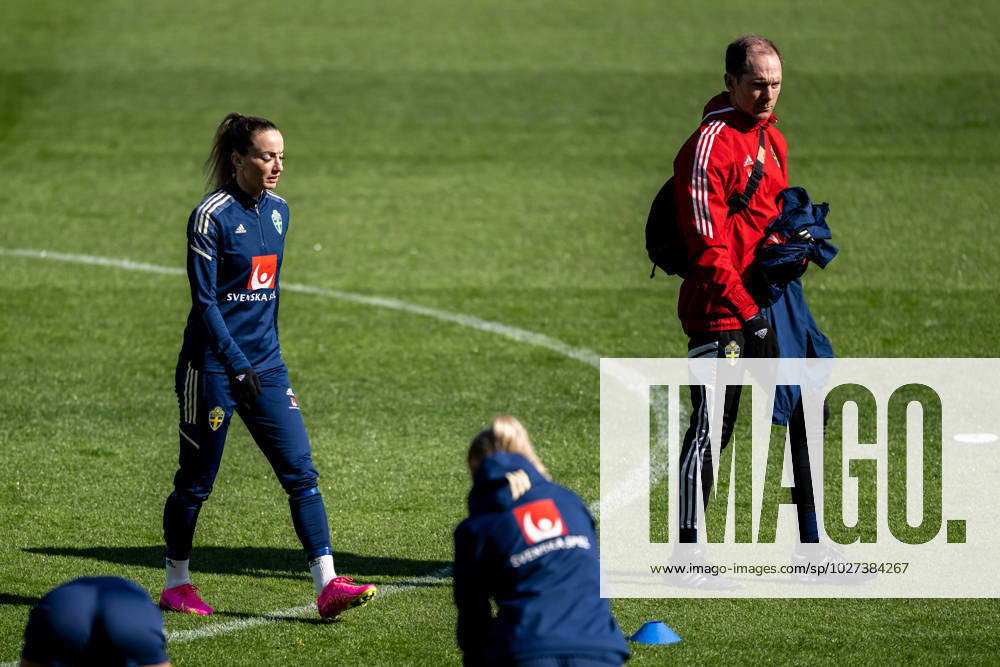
714	164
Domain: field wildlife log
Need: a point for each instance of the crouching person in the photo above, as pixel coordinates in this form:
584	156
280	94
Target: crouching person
530	545
107	621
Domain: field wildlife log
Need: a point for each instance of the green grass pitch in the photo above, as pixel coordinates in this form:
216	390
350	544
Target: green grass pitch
494	159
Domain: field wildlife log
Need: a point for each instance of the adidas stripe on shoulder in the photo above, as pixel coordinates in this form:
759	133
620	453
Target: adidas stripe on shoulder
211	204
699	178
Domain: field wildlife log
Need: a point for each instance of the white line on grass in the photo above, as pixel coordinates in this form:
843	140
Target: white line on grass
181	636
520	335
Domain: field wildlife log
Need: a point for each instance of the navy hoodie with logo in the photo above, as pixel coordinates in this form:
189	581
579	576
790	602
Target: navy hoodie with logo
530	545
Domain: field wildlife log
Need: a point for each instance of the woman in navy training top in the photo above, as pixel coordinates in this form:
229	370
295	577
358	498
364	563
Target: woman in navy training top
530	545
230	361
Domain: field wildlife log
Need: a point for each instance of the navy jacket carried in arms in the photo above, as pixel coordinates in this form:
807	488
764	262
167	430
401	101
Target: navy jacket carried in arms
780	263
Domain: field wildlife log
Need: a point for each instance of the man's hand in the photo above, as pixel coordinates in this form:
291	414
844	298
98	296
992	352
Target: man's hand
246	387
760	339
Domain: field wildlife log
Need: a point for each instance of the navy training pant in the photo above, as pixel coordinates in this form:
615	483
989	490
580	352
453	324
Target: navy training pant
696	451
275	422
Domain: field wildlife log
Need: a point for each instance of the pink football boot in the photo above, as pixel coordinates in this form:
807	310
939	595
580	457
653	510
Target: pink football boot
340	593
184	599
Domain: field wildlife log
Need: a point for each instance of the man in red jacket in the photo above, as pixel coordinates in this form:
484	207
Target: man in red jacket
726	178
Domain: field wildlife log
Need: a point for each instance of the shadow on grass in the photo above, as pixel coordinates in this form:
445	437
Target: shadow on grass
308	620
11	598
264	562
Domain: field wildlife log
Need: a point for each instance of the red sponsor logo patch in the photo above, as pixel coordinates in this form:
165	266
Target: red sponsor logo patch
540	521
264	268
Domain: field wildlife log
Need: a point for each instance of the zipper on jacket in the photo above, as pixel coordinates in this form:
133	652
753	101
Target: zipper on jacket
260	228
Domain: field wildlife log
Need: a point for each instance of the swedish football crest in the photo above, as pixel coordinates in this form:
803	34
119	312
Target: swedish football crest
216	417
276	219
732	352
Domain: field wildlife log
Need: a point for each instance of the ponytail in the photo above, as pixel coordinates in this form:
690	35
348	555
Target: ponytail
235	133
506	434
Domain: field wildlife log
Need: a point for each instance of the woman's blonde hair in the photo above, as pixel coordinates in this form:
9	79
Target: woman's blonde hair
506	434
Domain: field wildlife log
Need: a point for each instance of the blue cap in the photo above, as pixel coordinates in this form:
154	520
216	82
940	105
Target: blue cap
655	632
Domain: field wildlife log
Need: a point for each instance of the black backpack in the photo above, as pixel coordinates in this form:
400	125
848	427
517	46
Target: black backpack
665	244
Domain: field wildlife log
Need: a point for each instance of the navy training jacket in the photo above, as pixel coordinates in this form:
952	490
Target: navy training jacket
781	265
529	544
235	246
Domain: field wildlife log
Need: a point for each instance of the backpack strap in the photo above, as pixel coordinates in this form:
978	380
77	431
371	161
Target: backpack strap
738	202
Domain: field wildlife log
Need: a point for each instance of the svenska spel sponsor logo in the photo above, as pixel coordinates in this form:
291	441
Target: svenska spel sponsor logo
540	521
254	296
263	272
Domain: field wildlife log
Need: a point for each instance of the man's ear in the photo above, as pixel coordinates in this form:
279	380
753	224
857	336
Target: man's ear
730	81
